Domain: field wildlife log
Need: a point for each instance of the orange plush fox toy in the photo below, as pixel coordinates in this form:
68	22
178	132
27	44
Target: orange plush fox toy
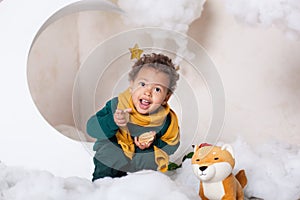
213	165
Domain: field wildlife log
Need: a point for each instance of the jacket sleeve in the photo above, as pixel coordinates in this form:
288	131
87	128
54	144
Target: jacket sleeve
102	124
158	142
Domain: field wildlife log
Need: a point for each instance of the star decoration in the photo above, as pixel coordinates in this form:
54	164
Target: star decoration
135	52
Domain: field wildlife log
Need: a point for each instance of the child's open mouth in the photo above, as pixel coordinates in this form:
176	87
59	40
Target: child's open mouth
144	104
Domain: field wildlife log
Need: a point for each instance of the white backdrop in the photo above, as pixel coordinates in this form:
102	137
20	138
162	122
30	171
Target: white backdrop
26	137
259	68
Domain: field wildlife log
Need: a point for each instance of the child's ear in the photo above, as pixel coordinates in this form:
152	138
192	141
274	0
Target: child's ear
167	98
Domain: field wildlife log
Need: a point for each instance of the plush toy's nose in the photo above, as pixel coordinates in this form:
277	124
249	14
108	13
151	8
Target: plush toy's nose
202	168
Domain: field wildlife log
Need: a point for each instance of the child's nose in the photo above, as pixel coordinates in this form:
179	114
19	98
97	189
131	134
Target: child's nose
148	90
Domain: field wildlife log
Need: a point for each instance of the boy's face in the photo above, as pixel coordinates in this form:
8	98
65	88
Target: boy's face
149	90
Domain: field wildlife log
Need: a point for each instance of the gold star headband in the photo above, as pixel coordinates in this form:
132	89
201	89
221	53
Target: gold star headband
136	53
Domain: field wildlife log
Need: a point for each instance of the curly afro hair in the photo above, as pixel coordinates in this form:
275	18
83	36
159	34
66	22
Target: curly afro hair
159	62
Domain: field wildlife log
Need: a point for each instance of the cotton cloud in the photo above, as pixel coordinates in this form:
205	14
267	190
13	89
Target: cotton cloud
284	14
175	15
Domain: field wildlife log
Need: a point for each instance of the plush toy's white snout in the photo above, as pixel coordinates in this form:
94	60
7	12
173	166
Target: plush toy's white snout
214	172
204	173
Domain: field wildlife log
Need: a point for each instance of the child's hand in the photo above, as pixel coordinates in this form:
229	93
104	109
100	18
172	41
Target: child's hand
145	140
121	117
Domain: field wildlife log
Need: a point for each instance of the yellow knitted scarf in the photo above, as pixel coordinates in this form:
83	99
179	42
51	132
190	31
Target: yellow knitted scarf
171	137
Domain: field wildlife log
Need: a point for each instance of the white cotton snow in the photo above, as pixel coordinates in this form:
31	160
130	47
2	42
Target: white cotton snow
20	184
285	14
272	170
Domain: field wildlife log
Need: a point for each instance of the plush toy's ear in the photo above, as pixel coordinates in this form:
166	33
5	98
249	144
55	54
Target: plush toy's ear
228	148
195	147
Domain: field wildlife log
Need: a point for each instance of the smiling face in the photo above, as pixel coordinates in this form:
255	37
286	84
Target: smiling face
149	90
213	163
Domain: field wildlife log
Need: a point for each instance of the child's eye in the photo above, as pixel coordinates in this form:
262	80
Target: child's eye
142	84
157	89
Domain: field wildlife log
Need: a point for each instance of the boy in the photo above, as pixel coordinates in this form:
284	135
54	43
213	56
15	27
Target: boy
137	130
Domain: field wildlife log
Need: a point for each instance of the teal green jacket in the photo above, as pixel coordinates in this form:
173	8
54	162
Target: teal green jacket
102	126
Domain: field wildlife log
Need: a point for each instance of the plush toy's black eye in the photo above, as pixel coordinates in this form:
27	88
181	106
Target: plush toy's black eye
198	159
216	158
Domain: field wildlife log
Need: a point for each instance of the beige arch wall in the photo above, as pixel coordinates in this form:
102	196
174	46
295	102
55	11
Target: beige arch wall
259	68
56	58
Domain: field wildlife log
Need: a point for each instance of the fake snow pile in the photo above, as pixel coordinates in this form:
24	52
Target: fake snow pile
19	184
272	170
284	14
